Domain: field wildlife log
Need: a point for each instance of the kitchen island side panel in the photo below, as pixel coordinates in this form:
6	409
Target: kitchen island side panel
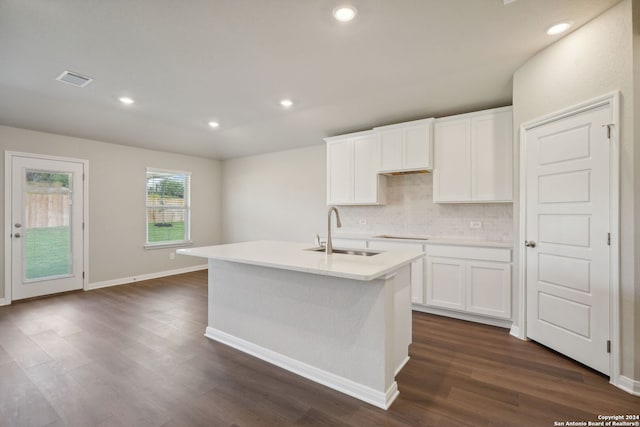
346	327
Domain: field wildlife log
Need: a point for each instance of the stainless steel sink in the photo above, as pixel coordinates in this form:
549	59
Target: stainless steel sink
358	252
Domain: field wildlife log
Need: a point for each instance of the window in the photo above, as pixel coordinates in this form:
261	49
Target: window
168	207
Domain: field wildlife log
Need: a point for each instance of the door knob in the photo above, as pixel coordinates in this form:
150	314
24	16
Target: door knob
17	235
530	244
17	225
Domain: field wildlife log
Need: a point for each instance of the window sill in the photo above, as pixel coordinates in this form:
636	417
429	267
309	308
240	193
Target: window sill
151	246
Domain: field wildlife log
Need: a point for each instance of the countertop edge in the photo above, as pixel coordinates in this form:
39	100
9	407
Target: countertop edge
302	269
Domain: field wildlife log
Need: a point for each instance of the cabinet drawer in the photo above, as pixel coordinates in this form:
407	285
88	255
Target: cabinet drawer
470	252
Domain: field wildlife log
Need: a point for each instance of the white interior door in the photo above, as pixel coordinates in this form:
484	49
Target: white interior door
47	209
567	219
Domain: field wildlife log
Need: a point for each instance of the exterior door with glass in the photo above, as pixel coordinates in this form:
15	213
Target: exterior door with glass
47	221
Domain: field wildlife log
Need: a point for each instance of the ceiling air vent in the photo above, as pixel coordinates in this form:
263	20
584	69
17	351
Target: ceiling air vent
74	79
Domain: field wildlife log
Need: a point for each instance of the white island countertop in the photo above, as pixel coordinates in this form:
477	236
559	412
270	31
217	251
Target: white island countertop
294	256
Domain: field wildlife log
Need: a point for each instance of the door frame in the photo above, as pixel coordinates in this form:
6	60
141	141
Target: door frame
611	99
8	186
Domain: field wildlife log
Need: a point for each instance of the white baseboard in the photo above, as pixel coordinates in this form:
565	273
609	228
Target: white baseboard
628	385
336	382
131	279
4	301
515	331
399	368
501	323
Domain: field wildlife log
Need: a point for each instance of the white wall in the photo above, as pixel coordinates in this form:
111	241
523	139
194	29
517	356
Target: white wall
277	196
117	201
592	61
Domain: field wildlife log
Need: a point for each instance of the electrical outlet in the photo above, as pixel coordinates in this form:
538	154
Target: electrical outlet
172	255
362	221
475	224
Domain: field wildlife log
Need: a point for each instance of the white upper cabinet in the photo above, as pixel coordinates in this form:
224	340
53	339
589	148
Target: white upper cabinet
391	150
452	173
406	146
492	154
473	157
353	161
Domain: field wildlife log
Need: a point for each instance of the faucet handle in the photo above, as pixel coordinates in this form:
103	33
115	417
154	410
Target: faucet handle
316	238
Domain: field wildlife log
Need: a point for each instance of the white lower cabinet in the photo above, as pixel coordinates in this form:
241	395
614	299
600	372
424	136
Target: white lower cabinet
489	288
473	280
417	267
445	283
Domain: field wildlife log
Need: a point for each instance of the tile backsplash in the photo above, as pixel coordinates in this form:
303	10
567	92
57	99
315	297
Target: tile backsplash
410	211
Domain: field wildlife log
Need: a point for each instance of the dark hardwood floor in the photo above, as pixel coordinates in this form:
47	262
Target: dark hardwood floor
135	355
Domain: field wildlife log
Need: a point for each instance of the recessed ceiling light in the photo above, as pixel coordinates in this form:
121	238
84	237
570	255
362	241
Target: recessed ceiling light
126	100
344	13
286	103
558	28
214	124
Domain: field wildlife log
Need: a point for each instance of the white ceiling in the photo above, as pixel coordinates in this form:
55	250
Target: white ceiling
191	61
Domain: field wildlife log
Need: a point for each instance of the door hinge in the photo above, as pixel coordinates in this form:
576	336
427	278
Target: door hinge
83	225
83	176
609	239
608	346
608	126
83	274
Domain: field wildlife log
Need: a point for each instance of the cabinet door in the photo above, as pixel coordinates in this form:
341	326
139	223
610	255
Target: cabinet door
391	150
340	172
417	147
452	167
445	283
491	154
489	288
366	162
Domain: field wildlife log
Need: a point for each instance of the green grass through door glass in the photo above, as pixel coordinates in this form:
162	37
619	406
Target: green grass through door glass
47	252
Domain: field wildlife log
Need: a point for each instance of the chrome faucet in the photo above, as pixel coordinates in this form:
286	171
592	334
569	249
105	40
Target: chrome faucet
338	224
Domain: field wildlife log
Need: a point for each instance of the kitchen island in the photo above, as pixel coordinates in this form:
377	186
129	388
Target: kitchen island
341	320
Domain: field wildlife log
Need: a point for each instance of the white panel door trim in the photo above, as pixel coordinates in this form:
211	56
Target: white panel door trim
8	156
611	99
